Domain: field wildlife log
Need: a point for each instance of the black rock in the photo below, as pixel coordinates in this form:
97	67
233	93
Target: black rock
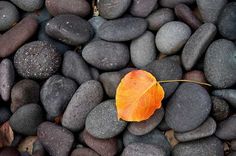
228	94
220	108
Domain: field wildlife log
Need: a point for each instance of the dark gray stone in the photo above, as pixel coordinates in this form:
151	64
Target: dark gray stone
41	15
143	50
70	29
75	67
56	93
5	114
188	108
197	45
142	8
220	108
232	153
173	3
141	149
28	5
207	129
96	22
122	29
27	119
87	96
56	140
112	9
37	60
102	121
211	146
95	73
227	21
106	55
228	94
220	63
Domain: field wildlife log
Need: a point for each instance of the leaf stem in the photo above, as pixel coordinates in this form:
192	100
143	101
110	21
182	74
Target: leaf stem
192	81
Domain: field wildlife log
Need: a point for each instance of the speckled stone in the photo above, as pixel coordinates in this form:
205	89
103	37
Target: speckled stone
173	3
9	15
228	94
104	114
220	108
142	8
28	5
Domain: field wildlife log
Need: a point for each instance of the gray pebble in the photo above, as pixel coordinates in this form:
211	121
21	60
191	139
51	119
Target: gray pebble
28	5
142	8
220	108
228	94
188	108
102	121
95	73
197	45
143	50
87	96
106	55
96	22
173	3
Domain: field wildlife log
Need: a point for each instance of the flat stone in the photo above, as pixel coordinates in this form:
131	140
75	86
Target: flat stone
142	8
173	3
27	5
197	45
122	29
220	108
228	94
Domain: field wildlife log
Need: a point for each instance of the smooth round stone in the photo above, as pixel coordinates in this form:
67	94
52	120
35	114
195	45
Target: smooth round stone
76	7
226	130
166	69
155	137
184	13
141	149
173	3
228	94
220	63
110	81
142	8
83	151
207	129
9	151
143	50
87	96
24	92
37	60
144	127
5	114
27	119
227	21
106	55
220	108
9	15
55	139
7	78
160	17
210	10
28	5
211	146
172	36
56	93
197	45
70	29
112	9
188	108
104	114
74	67
101	146
122	29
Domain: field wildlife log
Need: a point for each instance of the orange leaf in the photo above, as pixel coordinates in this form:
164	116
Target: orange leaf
138	96
6	135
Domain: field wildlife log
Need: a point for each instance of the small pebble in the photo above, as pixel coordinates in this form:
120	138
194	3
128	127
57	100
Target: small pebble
220	108
228	94
27	5
142	8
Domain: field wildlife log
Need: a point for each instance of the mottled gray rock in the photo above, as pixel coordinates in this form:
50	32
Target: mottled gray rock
210	9
87	96
144	127
56	140
142	8
188	108
112	9
122	29
226	129
173	3
220	108
228	94
7	78
70	29
55	94
106	55
211	146
207	129
160	17
197	45
75	67
220	63
28	5
102	121
27	119
227	21
141	149
9	15
143	50
172	36
37	60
